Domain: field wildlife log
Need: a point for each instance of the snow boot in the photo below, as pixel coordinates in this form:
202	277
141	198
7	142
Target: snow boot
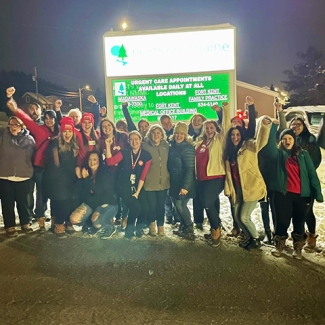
279	243
27	229
311	241
215	237
69	228
161	231
59	231
41	224
188	232
179	231
124	223
11	232
298	243
235	232
153	229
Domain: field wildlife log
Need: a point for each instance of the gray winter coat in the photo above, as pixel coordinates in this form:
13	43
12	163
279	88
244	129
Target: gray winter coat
16	153
158	176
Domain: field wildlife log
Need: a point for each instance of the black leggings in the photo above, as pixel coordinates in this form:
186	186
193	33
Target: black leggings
290	206
138	208
62	209
311	219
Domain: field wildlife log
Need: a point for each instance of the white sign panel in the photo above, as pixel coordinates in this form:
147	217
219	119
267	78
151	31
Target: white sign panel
180	52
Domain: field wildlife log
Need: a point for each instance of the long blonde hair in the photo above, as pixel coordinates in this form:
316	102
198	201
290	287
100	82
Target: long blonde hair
69	146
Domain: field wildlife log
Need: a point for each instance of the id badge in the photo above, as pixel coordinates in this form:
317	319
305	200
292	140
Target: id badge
91	142
132	179
203	148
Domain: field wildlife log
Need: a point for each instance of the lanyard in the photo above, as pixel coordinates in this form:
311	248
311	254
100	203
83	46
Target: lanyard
132	160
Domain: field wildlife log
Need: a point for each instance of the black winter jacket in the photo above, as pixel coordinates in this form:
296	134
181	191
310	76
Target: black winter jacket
181	167
59	182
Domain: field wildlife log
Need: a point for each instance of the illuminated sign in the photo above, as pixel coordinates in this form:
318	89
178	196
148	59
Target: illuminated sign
177	96
170	53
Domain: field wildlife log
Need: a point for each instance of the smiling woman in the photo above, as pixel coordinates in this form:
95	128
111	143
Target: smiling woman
61	160
16	152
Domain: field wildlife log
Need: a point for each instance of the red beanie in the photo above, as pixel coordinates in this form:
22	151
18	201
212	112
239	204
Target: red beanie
66	123
87	117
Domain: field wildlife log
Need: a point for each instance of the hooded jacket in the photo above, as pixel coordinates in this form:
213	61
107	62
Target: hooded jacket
16	154
309	182
251	180
158	176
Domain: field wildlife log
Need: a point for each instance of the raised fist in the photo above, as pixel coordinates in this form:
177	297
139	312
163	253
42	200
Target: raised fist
10	91
57	104
249	100
216	108
92	99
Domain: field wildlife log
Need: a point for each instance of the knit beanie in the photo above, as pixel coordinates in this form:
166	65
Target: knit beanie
87	117
181	127
287	131
66	123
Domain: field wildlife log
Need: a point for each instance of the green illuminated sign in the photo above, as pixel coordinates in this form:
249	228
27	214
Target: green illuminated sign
177	96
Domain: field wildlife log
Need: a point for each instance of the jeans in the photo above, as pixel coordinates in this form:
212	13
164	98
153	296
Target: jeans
198	209
290	206
242	215
209	192
183	211
123	210
11	193
101	217
156	201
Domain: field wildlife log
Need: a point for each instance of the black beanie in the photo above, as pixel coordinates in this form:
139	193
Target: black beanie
287	131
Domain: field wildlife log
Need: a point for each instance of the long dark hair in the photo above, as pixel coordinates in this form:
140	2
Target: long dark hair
117	134
230	150
86	165
52	114
305	134
93	135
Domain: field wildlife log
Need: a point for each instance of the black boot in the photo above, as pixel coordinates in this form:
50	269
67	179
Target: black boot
188	232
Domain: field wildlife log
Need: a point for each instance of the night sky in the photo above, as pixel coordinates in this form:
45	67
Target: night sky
63	38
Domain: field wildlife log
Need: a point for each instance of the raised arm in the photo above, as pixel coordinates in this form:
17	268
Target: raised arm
95	110
321	136
57	108
250	132
128	118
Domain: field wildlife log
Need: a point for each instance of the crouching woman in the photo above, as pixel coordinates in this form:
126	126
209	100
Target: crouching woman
244	183
295	182
97	194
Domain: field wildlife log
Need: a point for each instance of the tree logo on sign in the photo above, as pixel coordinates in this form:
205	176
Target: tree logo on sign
120	53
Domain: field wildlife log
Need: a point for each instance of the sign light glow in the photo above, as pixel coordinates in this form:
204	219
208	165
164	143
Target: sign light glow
177	96
170	53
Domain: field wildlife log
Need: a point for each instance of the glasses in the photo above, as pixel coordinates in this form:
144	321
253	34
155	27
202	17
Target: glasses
12	125
296	124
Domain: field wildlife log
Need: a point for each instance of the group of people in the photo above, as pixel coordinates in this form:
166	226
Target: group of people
97	173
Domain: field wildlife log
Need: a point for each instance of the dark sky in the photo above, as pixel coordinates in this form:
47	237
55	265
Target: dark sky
63	38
